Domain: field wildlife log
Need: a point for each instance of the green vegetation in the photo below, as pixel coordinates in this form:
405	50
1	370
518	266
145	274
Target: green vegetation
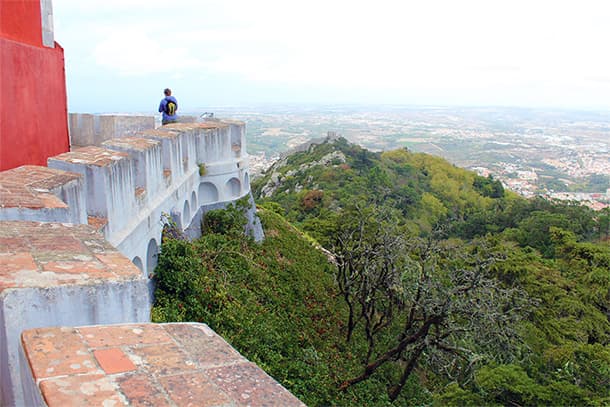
276	302
202	170
443	289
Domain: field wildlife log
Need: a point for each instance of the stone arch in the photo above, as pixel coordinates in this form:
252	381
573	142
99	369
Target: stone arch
193	201
138	262
186	214
151	256
233	187
208	193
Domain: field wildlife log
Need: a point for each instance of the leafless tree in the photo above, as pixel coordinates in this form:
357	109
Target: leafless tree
437	298
368	255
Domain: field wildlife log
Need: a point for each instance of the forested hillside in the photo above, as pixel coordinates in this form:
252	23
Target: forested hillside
398	279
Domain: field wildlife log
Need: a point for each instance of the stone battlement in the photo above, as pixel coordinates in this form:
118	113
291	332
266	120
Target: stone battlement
124	186
41	194
77	241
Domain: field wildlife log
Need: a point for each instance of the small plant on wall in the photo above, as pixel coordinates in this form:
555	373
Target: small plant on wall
202	169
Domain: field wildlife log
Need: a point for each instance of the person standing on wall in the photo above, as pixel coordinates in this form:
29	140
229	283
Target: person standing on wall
169	107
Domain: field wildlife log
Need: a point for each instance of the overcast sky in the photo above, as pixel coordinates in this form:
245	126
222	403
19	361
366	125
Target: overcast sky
120	54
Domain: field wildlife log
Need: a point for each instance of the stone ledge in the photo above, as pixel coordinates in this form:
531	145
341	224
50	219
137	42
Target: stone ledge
38	254
91	155
160	133
191	126
32	187
145	364
128	144
234	122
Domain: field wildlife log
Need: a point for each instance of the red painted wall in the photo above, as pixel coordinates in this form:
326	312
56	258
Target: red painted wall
33	104
20	20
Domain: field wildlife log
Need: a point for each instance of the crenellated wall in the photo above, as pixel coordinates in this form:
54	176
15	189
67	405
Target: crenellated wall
127	184
68	231
180	170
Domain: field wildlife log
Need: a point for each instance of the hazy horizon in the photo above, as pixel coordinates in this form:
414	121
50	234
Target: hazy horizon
320	107
120	54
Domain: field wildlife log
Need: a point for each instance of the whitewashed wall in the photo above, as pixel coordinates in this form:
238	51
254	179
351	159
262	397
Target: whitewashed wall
166	164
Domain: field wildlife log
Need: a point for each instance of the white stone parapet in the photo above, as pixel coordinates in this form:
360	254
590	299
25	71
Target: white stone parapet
93	129
131	182
125	186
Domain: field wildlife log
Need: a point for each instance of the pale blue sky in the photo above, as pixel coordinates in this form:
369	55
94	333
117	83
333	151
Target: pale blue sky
120	54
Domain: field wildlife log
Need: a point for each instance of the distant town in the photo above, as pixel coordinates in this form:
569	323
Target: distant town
559	154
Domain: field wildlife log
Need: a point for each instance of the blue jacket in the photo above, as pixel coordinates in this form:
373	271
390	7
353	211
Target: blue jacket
162	105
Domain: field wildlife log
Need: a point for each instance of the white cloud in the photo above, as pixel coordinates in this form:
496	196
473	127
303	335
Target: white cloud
129	51
470	45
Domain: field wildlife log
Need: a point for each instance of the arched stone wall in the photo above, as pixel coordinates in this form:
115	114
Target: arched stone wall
208	193
151	256
233	188
186	214
138	262
193	201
